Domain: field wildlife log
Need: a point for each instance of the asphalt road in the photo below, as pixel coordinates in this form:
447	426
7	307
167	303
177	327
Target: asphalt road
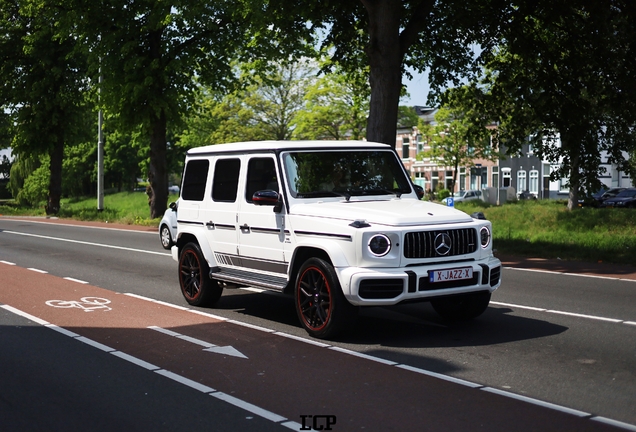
559	339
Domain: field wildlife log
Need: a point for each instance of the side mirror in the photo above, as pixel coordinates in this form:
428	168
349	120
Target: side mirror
419	190
268	197
265	197
173	206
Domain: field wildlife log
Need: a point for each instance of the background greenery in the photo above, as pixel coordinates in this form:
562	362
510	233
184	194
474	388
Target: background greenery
534	228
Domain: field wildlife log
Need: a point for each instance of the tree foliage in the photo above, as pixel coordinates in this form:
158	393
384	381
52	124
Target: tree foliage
564	79
337	106
44	84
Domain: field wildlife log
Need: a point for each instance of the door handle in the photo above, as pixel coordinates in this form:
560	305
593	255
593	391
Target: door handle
209	224
245	229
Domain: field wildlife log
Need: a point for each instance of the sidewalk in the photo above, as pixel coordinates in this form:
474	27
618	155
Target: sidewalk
619	271
596	269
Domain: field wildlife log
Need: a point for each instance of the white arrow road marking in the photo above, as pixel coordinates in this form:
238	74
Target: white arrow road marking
226	350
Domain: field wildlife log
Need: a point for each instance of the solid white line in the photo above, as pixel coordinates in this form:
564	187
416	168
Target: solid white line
302	339
536	402
37	270
252	326
95	344
439	376
185	381
577	315
7	263
14	219
75	280
62	330
519	306
616	423
135	360
585	316
249	407
293	426
209	315
570	274
629	322
24	315
87	243
164	331
362	355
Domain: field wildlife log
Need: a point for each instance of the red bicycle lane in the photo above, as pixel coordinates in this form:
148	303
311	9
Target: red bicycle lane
279	377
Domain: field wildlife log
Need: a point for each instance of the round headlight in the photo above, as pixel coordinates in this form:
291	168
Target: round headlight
484	234
379	245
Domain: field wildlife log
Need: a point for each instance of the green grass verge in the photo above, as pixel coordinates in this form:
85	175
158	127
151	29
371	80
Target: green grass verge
543	229
129	208
546	229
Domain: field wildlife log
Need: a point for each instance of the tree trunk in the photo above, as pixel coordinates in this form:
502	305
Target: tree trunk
158	173
385	61
56	155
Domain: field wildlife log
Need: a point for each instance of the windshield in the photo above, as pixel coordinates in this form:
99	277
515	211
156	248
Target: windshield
313	174
627	193
459	194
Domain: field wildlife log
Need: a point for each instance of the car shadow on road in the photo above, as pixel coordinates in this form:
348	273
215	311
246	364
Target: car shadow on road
405	326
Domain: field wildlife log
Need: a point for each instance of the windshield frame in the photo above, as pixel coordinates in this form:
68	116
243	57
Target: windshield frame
335	173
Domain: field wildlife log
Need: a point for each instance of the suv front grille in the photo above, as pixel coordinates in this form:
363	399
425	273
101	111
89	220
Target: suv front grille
422	244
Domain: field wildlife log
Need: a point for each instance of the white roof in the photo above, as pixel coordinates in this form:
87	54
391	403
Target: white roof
284	145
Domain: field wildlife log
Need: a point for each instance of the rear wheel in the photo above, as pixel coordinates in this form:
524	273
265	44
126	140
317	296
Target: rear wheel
321	306
462	307
196	285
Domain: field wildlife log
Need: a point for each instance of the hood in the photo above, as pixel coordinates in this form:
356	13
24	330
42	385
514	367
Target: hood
395	212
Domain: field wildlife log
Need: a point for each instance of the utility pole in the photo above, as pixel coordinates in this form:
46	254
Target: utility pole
100	153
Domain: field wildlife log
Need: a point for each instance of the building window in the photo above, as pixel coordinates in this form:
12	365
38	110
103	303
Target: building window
505	176
434	180
495	176
405	148
534	182
522	184
420	143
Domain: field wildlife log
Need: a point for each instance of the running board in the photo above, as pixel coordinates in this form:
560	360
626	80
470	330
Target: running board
248	278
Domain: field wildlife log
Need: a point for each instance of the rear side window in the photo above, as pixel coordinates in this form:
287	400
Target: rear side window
225	182
196	174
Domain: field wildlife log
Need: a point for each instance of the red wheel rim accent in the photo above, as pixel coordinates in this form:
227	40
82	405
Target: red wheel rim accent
314	298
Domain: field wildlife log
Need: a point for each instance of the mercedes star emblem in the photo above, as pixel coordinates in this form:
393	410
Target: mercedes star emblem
442	244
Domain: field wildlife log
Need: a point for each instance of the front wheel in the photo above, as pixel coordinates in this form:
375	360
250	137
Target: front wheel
462	307
321	306
166	237
196	285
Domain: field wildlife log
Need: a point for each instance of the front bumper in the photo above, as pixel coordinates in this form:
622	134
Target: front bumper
390	286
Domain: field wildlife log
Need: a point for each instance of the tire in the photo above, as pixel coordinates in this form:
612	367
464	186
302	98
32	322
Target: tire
321	306
165	237
462	307
196	286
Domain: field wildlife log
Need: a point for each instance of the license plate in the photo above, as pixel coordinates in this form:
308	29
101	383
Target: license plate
450	274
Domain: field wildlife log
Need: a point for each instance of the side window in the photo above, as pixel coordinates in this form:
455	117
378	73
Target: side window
226	178
261	175
194	179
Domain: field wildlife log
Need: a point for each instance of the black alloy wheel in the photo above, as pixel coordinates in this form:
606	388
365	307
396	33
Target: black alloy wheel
321	306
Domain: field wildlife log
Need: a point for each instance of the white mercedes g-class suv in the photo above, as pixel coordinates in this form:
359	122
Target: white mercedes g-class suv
337	224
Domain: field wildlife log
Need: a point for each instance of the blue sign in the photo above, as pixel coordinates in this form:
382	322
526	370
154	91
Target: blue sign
450	202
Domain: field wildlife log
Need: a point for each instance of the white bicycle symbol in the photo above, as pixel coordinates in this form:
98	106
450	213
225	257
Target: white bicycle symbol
88	304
